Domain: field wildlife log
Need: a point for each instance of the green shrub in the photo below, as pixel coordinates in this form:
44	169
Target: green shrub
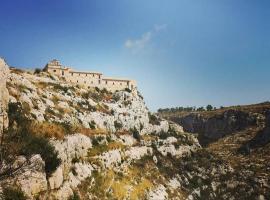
97	140
73	170
135	134
116	98
117	125
97	89
75	160
92	108
92	125
15	113
74	197
153	119
163	135
37	71
128	90
12	193
40	145
126	103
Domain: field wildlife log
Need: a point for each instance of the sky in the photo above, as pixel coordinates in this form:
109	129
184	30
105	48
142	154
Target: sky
181	52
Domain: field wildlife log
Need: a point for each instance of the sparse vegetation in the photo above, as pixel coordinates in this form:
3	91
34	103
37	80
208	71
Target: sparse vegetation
39	145
136	134
92	124
153	119
128	90
26	141
37	71
74	197
118	125
12	193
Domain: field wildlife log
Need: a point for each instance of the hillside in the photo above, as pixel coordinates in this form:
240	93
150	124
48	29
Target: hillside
239	136
67	142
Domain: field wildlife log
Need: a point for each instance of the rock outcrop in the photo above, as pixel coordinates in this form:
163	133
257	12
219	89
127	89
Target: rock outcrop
4	95
217	126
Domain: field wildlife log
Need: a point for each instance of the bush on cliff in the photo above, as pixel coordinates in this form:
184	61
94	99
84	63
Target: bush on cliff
12	193
40	145
21	139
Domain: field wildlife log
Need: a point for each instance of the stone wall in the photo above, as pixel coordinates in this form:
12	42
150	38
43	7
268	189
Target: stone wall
4	95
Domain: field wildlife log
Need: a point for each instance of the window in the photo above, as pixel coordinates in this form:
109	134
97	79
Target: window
93	75
120	83
106	82
77	81
85	74
85	82
63	73
71	74
54	70
113	83
98	81
91	82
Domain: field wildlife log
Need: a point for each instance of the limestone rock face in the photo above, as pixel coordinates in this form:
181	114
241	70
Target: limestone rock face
72	147
217	126
158	193
4	95
32	178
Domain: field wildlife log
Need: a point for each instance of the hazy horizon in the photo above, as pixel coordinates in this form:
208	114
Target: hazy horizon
182	53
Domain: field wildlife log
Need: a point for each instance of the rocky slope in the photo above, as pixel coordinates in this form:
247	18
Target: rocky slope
235	137
68	142
4	71
212	125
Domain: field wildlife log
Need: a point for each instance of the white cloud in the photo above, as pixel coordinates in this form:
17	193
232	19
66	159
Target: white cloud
160	27
141	42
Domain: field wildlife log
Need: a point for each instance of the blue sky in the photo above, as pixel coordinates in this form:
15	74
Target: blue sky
181	52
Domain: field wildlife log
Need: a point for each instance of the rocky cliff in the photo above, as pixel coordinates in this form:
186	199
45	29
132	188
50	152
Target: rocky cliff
4	96
68	142
215	126
73	142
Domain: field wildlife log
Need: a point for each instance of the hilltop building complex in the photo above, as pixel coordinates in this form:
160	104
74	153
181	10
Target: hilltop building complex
89	79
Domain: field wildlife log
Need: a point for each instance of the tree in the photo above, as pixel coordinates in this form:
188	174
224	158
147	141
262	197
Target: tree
200	109
209	107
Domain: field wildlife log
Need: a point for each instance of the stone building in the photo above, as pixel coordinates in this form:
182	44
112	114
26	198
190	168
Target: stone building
89	79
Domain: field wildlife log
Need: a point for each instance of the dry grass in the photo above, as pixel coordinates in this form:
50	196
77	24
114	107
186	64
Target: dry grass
102	108
48	130
122	132
91	132
99	149
139	190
